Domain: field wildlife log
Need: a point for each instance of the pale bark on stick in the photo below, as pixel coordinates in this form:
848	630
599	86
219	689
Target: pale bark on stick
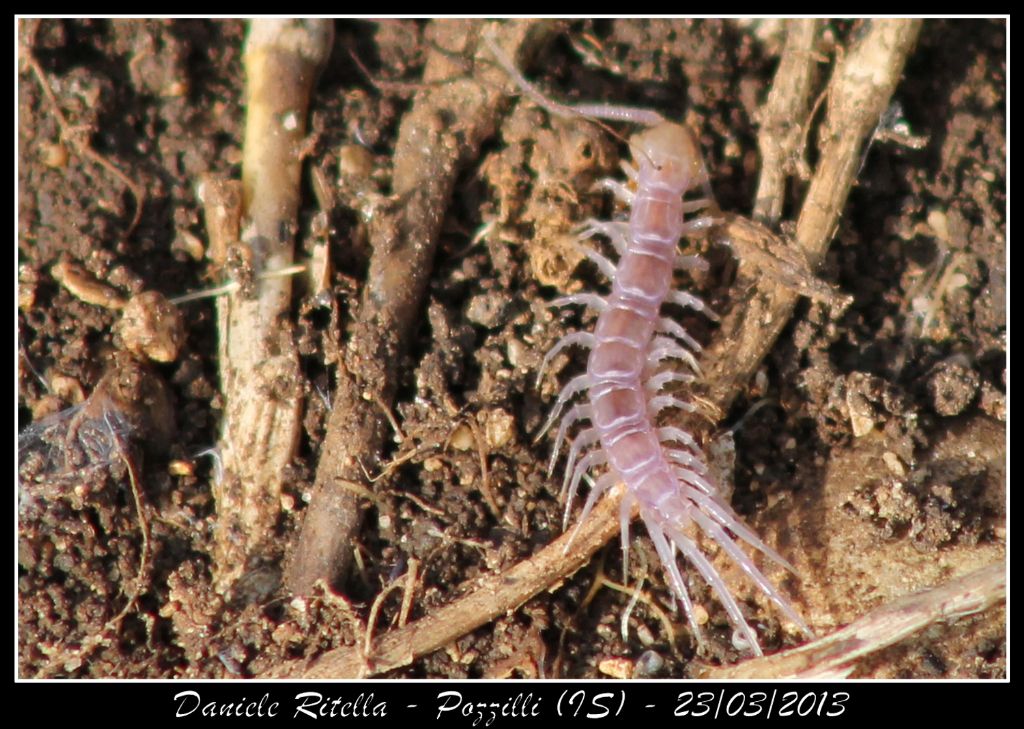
258	362
784	116
450	118
859	92
837	655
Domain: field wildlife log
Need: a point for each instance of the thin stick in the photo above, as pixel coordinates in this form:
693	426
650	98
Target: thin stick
784	117
859	92
371	622
485	475
259	364
411	577
837	655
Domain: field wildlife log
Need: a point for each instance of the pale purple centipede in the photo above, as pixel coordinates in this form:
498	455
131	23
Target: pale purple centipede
662	468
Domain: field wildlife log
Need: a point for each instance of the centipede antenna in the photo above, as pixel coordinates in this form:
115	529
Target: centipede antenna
590	112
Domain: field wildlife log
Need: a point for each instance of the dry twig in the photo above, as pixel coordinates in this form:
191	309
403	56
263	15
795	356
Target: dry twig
836	655
258	362
781	134
858	94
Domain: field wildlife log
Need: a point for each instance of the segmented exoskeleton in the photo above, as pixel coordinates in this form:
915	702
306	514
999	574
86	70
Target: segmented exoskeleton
662	468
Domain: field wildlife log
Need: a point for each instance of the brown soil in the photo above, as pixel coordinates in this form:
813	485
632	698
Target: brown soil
916	367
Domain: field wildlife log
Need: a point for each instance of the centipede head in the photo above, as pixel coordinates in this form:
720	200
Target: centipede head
670	153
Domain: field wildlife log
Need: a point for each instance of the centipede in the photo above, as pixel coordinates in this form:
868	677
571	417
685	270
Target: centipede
635	353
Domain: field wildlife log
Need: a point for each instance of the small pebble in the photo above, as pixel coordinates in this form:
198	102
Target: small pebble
894	464
181	468
616	667
648	665
462	439
54	155
516	353
152	327
953	386
499	428
700	614
355	163
432	465
644	634
862	415
487	310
